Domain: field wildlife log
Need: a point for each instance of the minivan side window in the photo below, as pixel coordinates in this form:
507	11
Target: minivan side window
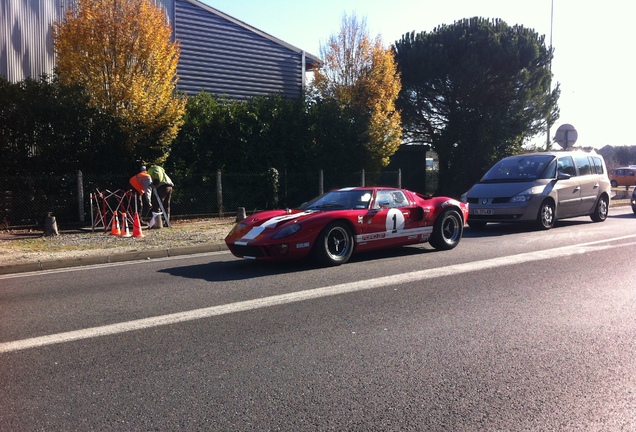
598	165
566	166
584	165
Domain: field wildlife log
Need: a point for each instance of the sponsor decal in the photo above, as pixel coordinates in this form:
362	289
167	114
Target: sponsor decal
422	232
374	236
302	245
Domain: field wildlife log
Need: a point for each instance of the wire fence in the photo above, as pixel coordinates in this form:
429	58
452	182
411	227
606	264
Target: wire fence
26	201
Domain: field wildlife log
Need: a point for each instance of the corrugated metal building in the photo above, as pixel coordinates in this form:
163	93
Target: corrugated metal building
219	54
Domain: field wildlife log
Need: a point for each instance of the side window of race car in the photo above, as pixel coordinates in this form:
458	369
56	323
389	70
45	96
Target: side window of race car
390	199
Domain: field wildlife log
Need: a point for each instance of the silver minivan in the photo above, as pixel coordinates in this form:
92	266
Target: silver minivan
541	188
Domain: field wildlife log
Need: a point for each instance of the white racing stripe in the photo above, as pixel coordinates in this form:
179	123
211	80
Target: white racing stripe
309	294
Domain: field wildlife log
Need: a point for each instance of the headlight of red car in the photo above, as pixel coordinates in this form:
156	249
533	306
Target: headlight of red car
287	231
237	227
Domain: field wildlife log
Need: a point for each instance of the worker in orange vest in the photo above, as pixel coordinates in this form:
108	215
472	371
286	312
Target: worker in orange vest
142	183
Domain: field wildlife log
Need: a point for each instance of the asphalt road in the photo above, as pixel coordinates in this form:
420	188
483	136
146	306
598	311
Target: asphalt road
513	330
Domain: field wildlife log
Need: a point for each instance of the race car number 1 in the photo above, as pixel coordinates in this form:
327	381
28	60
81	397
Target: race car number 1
394	220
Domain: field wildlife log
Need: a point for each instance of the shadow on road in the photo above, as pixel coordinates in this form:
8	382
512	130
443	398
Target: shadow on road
500	229
243	269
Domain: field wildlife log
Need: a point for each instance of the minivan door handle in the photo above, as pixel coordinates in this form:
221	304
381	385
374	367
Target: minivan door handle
596	186
578	188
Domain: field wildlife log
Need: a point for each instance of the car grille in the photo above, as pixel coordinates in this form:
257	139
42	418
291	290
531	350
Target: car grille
250	251
496	200
492	218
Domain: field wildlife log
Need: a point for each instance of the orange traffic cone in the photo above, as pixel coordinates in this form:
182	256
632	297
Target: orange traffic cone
114	225
137	226
124	226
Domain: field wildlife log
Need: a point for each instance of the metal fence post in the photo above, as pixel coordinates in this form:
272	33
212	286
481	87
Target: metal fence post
80	196
362	180
219	192
400	178
321	182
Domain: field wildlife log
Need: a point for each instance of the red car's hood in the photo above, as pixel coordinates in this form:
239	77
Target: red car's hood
253	226
274	218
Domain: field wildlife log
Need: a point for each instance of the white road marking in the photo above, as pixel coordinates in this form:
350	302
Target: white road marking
310	294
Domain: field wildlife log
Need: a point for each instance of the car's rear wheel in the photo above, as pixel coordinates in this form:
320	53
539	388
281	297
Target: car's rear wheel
601	210
334	245
447	230
546	216
613	183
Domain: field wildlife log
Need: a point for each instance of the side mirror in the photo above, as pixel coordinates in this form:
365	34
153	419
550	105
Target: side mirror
563	176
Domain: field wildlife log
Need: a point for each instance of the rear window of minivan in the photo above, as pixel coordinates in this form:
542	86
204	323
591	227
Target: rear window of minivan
598	165
589	165
583	162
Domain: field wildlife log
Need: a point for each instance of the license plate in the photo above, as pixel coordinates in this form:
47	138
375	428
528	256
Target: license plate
483	211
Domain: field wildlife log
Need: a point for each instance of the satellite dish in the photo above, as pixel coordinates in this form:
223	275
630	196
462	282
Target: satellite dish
566	136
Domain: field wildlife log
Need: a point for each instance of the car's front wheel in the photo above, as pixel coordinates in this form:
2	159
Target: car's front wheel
334	245
447	230
546	216
601	210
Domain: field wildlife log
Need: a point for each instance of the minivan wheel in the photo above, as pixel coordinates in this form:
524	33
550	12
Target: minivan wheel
545	218
601	210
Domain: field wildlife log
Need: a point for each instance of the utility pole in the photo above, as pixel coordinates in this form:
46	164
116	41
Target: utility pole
548	141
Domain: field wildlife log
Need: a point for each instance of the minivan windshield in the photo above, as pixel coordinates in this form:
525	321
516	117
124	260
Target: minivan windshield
520	168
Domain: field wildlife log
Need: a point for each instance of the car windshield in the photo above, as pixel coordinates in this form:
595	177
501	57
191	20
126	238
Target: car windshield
340	199
520	169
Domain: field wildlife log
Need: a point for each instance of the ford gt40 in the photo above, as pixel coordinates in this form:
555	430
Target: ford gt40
338	223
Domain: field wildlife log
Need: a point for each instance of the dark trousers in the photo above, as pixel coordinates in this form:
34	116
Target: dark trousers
143	204
165	193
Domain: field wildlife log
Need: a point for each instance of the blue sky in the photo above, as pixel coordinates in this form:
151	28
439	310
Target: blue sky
593	42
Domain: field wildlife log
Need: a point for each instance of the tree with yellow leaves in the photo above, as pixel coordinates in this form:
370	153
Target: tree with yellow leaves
359	72
122	53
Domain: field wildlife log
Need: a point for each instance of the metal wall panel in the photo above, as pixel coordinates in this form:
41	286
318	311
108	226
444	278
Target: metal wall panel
26	38
223	57
219	54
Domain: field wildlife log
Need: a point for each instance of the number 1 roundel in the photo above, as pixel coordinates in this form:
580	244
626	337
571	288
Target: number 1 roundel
394	220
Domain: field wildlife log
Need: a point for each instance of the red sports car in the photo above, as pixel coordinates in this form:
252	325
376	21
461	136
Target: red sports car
334	225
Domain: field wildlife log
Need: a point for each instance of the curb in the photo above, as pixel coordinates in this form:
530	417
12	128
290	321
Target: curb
111	258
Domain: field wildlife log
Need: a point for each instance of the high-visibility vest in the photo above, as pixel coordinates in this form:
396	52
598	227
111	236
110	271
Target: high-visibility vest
141	182
159	176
